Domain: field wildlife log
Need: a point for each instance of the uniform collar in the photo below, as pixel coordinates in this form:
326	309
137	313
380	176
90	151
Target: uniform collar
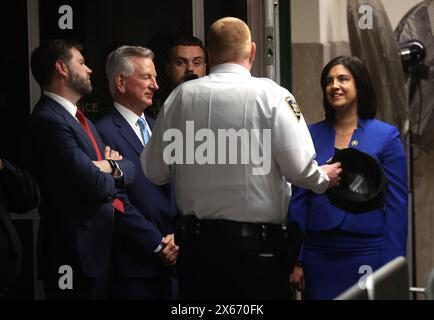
230	68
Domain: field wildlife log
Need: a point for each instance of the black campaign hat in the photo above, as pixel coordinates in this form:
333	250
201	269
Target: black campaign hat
363	184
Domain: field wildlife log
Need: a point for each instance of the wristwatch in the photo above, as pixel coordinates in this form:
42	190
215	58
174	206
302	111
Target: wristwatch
113	166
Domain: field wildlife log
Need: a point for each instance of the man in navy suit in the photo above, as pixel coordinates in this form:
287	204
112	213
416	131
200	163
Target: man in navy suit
144	246
78	186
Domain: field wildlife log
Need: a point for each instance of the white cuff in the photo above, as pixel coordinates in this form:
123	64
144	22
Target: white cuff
160	246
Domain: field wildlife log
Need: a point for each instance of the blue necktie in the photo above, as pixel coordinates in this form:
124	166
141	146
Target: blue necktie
145	134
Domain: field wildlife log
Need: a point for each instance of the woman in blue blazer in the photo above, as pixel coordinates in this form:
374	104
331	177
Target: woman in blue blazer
341	247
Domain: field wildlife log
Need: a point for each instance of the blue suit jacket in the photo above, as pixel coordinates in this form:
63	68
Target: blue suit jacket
142	228
315	213
77	217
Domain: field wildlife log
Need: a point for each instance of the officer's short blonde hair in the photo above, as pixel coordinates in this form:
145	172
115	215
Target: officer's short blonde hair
229	39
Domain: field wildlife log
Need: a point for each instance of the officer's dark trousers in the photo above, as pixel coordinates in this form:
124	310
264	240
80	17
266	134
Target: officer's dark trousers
218	264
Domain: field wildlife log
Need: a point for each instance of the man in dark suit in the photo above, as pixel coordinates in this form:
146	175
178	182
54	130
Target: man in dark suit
144	246
78	187
18	193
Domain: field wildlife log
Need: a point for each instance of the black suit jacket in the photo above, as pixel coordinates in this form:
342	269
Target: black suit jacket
77	217
18	193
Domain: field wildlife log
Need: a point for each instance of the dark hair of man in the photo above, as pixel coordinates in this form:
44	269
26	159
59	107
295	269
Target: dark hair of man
44	58
366	97
185	40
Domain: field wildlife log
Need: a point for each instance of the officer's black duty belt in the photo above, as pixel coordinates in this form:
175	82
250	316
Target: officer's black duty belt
191	224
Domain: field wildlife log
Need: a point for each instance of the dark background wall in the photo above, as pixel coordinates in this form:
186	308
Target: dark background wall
14	110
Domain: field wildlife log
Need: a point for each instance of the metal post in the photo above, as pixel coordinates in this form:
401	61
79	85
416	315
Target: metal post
271	40
198	19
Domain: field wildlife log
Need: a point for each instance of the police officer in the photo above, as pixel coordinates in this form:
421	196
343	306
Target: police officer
231	143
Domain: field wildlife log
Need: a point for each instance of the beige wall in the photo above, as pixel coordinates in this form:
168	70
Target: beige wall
319	32
397	9
305	21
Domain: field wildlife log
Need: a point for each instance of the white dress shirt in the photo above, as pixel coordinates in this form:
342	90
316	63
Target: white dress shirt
68	105
230	98
132	118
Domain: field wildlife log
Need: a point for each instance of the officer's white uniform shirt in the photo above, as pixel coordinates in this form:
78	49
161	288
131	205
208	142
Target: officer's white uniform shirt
230	98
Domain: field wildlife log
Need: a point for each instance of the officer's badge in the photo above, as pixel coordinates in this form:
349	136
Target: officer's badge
294	107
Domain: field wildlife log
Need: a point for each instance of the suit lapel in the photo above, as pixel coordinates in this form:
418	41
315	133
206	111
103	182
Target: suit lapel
126	131
75	125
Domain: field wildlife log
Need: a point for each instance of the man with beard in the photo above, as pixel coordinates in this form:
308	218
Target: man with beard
185	60
79	188
178	58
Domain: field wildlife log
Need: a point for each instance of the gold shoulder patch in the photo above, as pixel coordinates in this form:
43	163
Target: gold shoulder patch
294	107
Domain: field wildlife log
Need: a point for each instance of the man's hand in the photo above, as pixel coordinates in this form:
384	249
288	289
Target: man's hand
333	171
296	278
103	165
169	253
110	154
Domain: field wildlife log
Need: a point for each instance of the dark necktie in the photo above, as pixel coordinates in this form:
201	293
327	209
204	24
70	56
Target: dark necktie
117	204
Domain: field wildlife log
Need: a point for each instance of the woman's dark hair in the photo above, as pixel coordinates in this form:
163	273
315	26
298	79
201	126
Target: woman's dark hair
366	97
